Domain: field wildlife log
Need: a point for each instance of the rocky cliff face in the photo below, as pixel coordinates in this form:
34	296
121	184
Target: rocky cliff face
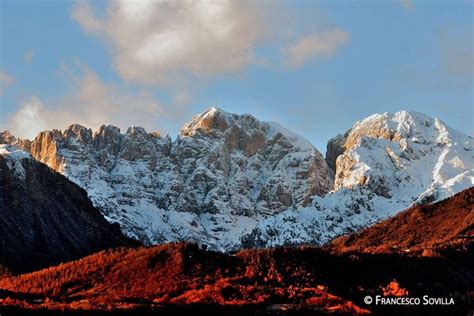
45	218
222	175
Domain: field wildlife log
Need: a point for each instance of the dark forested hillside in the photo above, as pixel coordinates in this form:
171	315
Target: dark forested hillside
46	219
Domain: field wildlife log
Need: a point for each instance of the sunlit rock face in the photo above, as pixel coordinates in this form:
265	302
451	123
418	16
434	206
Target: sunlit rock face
44	149
220	177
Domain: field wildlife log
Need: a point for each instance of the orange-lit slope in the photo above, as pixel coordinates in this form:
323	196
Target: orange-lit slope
177	274
423	228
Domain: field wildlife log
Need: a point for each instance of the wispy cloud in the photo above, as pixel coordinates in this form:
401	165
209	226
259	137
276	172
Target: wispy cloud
317	45
31	118
5	81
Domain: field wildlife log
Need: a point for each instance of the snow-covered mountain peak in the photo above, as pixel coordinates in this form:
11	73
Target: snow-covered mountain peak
412	126
295	139
383	145
79	132
7	138
138	130
243	131
107	131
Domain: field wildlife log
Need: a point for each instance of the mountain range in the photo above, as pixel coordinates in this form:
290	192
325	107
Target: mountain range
230	181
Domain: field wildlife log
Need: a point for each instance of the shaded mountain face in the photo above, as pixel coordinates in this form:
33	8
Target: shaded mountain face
45	218
222	174
424	229
230	180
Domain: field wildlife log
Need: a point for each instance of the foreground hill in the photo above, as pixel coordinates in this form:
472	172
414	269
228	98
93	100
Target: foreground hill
181	277
424	229
176	275
46	219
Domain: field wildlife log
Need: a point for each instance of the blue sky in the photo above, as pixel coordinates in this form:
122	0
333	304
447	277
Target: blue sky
316	67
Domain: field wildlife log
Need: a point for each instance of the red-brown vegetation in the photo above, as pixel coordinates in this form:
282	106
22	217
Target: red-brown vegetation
394	289
177	274
305	278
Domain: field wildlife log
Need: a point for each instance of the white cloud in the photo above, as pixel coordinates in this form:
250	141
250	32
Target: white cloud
160	41
92	103
317	45
5	81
